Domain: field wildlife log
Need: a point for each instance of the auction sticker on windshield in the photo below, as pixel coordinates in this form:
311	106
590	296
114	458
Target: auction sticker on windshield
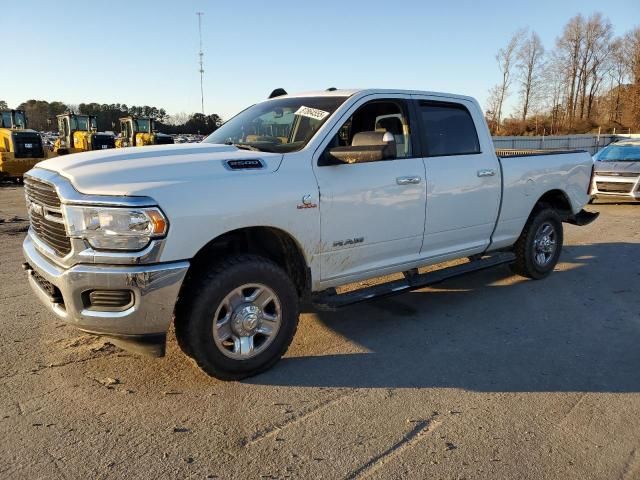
312	113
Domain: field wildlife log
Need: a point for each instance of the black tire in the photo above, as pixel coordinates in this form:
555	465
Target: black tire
527	263
196	311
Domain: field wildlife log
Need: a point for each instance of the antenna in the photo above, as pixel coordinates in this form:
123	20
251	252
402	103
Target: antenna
201	55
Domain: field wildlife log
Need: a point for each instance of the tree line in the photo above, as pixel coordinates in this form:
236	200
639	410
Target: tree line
41	116
590	80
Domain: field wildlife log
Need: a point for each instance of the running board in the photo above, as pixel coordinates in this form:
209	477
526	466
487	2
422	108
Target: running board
411	281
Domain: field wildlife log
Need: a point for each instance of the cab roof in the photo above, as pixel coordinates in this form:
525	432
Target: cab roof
71	114
627	141
348	92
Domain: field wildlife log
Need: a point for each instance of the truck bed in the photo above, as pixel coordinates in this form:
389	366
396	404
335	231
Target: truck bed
528	175
523	152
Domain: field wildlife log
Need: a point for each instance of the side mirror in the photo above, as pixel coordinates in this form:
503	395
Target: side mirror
365	147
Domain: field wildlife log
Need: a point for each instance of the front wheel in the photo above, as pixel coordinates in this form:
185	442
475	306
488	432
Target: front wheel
239	318
538	247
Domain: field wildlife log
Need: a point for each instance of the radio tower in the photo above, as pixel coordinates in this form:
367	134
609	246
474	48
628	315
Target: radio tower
201	54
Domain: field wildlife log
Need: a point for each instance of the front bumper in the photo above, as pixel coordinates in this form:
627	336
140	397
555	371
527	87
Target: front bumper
155	291
622	187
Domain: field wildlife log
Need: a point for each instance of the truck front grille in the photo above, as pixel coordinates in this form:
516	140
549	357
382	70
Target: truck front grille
49	288
614	187
45	215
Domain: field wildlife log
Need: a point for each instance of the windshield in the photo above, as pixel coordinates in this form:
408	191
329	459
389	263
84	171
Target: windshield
82	123
6	119
619	153
142	125
18	120
279	125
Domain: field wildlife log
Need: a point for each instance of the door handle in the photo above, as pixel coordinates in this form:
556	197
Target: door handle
486	173
408	180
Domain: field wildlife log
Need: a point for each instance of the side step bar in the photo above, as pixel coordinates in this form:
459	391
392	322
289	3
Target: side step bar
411	281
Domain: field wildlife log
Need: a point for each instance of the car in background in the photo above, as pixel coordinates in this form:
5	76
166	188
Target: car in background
617	171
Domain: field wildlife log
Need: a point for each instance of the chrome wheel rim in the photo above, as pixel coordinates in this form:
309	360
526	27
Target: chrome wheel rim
544	244
247	321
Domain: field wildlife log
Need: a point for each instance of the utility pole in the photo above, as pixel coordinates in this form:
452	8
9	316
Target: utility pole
201	54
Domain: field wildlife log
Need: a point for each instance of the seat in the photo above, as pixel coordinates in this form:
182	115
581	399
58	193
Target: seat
374	139
393	125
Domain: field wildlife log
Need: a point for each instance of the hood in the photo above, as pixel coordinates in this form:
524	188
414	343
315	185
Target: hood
626	167
139	170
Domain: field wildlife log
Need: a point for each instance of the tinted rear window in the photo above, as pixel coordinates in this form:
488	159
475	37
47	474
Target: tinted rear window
447	129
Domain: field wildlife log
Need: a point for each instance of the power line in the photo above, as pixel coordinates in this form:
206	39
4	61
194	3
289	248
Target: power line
201	55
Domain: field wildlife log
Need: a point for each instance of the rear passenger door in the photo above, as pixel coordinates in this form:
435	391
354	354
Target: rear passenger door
463	177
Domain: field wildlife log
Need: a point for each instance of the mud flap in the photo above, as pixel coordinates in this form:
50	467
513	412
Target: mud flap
582	218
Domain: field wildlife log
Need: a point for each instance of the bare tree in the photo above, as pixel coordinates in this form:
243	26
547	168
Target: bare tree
618	72
554	78
569	47
588	77
530	57
632	53
493	104
179	118
506	59
594	51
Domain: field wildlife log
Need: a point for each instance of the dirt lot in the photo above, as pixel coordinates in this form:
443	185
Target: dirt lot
488	376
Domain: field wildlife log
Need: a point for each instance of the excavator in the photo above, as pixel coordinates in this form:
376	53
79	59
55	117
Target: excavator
139	132
20	147
79	133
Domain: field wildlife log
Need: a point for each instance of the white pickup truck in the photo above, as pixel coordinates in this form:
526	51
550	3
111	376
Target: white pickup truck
289	199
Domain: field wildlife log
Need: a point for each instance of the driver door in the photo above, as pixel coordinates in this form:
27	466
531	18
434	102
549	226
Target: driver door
372	214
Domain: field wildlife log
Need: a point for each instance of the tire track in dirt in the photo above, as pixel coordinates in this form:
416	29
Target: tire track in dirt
409	439
293	420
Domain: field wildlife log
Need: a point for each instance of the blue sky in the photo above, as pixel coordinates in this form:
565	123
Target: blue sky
145	52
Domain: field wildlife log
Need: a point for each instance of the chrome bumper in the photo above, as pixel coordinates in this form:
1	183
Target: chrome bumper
155	291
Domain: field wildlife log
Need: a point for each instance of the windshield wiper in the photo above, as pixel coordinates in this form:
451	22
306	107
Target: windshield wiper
244	146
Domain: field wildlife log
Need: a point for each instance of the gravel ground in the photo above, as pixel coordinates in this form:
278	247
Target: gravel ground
487	376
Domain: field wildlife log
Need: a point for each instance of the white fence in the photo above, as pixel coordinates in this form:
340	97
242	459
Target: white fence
588	142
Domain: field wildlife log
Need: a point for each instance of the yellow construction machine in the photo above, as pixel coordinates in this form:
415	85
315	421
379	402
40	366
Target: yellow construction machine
139	132
79	133
20	148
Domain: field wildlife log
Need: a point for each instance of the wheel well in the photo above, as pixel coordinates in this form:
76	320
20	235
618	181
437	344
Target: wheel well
272	243
557	200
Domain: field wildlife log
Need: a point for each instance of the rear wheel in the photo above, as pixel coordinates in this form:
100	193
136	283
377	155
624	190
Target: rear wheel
539	245
240	317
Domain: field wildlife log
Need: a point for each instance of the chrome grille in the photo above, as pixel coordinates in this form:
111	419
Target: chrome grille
45	215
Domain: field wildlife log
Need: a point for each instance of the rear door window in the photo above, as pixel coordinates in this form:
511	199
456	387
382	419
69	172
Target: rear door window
446	128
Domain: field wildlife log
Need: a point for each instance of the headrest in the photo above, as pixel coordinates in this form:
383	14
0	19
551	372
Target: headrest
390	124
371	138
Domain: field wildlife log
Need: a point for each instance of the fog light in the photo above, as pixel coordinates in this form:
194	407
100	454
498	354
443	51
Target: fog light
108	300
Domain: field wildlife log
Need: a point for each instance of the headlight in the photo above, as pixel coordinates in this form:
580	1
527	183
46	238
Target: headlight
110	228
